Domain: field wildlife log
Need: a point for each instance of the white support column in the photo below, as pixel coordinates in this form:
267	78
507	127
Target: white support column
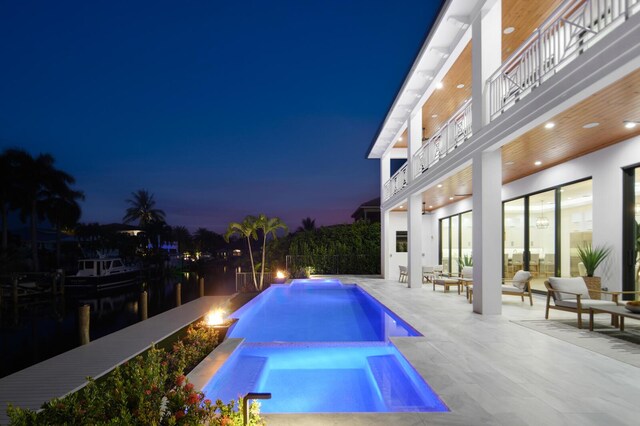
385	172
486	57
385	241
414	134
414	234
487	232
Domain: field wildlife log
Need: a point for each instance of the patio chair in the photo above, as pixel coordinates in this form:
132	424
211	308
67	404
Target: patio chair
428	274
572	295
403	274
447	282
519	285
466	280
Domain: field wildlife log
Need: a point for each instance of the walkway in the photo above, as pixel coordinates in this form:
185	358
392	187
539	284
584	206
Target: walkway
490	370
67	372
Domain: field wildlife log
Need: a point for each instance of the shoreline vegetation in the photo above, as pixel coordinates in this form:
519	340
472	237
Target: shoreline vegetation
150	389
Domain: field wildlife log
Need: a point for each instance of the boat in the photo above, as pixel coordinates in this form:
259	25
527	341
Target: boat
102	274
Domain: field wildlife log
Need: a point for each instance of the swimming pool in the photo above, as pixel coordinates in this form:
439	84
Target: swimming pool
321	346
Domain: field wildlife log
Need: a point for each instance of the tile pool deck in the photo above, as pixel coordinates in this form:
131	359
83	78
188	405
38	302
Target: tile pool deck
492	371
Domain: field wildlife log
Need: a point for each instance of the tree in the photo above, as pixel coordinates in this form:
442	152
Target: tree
63	211
142	208
308	224
9	190
38	182
248	229
268	226
182	236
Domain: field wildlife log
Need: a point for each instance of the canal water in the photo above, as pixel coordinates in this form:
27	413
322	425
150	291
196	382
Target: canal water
47	327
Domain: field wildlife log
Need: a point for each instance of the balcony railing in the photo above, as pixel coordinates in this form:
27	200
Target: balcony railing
397	182
574	26
452	134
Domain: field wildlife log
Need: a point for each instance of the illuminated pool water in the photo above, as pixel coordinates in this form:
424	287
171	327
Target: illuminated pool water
321	347
308	311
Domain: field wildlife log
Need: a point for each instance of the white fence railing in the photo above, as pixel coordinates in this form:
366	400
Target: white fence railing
572	28
397	182
454	132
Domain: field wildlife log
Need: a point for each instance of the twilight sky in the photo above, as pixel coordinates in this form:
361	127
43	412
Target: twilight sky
221	109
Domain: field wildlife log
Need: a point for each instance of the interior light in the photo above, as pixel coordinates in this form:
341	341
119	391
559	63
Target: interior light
430	207
400	139
439	185
460	86
591	125
630	124
537	163
509	163
509	30
549	125
450	198
434	115
439	85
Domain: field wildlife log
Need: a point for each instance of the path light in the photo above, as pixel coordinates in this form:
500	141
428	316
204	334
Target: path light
214	318
279	275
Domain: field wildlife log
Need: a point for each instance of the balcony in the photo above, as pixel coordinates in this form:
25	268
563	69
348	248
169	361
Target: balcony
451	135
572	28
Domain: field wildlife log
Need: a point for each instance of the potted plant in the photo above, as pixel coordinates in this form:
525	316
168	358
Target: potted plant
591	257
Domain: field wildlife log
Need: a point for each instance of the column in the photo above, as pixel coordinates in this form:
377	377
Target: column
486	58
487	232
414	134
385	172
385	241
414	235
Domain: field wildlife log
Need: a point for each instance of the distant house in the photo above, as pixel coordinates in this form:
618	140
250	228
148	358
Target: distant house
369	210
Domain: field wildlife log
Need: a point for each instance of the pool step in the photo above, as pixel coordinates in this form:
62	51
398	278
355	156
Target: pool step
243	380
396	387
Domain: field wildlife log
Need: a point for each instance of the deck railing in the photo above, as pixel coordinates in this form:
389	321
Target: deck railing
451	135
573	27
397	182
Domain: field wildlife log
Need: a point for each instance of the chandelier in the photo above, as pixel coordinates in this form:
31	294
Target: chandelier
541	221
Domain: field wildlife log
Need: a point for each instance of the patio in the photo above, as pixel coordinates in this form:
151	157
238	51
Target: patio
493	370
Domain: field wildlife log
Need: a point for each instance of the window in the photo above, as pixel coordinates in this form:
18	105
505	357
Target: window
401	241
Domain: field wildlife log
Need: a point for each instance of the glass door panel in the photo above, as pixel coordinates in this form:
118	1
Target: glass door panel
637	241
444	239
576	226
455	246
513	237
467	237
542	232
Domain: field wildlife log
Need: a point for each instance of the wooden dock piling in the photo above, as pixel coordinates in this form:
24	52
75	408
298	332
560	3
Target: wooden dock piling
178	294
84	317
143	306
201	282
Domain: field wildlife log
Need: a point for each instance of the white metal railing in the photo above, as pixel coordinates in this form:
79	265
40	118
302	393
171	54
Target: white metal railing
453	133
572	28
397	182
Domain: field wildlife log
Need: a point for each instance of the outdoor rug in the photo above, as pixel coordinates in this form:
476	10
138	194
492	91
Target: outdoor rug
604	339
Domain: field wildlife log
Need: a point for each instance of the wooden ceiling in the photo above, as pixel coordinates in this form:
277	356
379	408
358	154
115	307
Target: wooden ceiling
524	16
567	140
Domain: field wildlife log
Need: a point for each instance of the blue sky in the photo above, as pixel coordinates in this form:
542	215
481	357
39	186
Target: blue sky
220	109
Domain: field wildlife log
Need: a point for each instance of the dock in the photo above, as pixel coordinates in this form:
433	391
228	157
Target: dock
67	372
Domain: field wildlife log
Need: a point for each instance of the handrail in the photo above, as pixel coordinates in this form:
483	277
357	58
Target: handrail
451	135
396	183
571	29
245	405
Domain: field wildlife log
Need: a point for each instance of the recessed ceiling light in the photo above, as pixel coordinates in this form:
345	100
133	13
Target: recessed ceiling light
434	115
460	86
509	163
439	185
550	125
630	124
591	125
401	206
439	85
451	198
562	190
509	30
400	139
430	207
537	163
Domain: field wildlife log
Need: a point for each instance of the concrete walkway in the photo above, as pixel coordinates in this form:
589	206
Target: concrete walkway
67	372
491	371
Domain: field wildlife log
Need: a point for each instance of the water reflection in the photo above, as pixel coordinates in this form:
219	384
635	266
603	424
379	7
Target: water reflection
45	327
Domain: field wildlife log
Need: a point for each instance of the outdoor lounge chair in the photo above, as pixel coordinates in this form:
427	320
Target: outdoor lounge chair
572	295
447	282
403	274
519	285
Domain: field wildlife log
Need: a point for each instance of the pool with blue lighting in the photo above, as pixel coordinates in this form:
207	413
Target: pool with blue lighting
321	346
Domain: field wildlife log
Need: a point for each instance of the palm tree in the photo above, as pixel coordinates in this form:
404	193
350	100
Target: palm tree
183	237
248	228
268	226
38	181
143	209
308	224
63	211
